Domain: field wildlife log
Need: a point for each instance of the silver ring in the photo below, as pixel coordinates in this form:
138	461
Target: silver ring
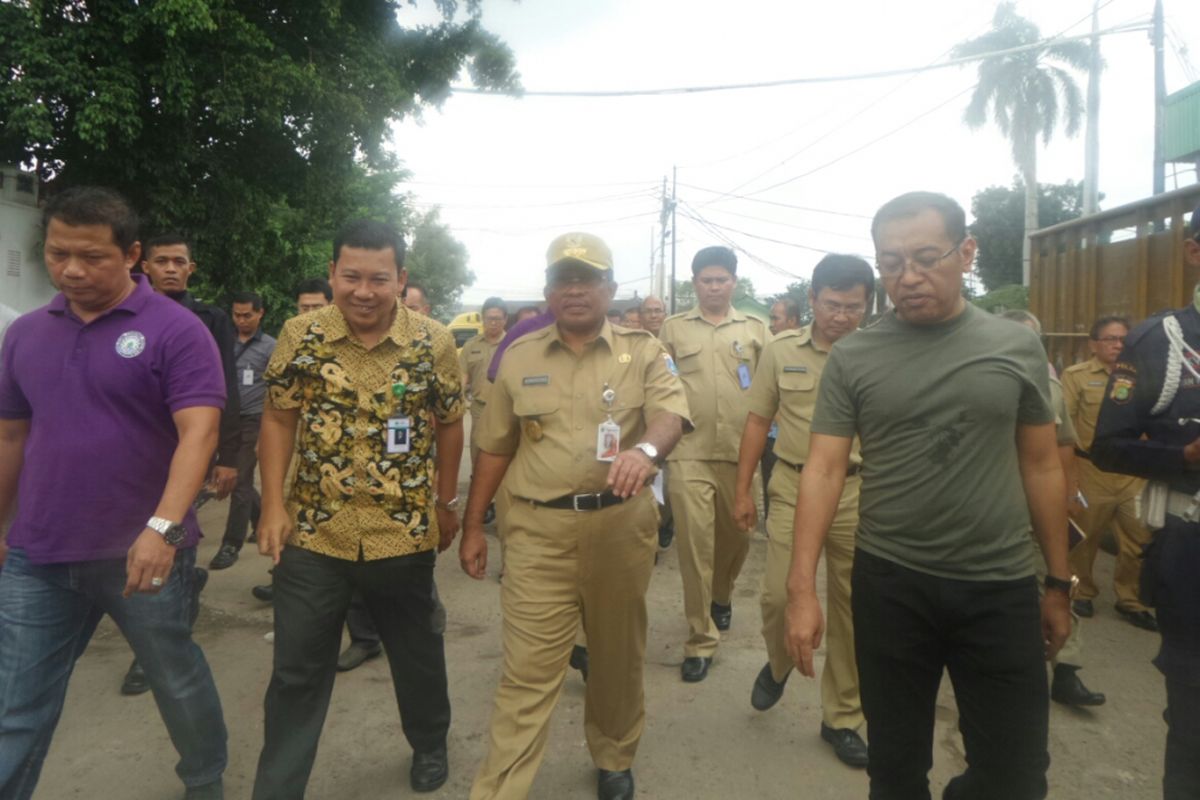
156	581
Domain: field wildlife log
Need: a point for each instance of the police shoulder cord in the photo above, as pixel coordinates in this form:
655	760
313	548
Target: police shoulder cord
1176	347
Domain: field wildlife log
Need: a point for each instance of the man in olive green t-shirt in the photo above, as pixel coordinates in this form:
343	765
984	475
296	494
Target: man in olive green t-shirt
951	406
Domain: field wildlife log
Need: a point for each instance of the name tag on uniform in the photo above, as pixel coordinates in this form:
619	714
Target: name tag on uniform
398	429
795	369
608	441
744	376
536	380
247	377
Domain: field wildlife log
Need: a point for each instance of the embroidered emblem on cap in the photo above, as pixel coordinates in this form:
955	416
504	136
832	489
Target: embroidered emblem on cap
130	344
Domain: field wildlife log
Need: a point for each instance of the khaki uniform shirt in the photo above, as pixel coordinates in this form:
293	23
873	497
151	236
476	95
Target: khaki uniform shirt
785	389
474	359
1083	389
546	407
350	496
716	364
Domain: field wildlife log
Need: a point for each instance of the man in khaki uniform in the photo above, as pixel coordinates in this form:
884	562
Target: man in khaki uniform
1112	499
579	416
785	388
474	359
716	350
653	312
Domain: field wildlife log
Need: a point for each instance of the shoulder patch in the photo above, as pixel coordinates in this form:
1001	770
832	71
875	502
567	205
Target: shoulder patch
1122	390
674	370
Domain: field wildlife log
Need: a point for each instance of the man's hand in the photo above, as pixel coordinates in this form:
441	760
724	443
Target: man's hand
805	627
447	527
1056	620
473	551
274	529
149	558
629	472
223	480
745	515
1191	451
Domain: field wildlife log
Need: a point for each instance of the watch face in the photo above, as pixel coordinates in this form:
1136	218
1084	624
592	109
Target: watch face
175	535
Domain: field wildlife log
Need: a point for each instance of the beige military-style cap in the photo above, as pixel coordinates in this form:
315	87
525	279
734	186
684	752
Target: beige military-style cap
585	248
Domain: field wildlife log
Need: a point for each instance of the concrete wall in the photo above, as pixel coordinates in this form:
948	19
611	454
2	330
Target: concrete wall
24	284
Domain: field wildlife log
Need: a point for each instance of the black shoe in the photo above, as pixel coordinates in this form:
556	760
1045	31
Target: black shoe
579	660
264	592
848	746
721	615
489	514
1140	619
767	690
225	558
666	535
201	580
429	770
209	791
252	537
356	654
1083	608
1068	689
694	669
614	785
135	680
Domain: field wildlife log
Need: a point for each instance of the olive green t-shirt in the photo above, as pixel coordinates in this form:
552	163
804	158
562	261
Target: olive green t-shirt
936	408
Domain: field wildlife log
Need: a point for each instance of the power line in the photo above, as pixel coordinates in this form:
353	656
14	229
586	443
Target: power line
729	196
691	212
857	237
626	196
954	62
718	232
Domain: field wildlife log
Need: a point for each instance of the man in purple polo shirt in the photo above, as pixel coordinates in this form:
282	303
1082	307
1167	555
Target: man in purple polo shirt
110	398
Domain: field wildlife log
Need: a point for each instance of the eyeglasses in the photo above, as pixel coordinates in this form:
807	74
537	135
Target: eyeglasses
837	309
892	265
1110	339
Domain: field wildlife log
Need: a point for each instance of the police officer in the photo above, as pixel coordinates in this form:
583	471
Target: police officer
1111	500
786	385
1150	427
576	422
716	348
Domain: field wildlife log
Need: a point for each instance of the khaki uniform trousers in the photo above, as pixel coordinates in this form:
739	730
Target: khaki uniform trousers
840	704
561	565
1112	500
711	548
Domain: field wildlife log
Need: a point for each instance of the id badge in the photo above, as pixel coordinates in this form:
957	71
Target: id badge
398	429
247	377
743	376
608	441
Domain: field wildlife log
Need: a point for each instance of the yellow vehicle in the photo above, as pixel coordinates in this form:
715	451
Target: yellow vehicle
465	326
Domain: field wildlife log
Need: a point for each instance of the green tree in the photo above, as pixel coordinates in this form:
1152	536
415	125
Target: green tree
798	292
999	225
438	263
254	127
1027	93
685	293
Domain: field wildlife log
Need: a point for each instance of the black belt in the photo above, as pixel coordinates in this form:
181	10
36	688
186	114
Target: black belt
1083	454
579	502
851	471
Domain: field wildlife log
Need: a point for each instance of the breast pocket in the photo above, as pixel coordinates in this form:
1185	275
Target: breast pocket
687	359
537	411
797	391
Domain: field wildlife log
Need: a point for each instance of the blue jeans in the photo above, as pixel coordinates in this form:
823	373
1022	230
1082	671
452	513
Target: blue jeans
48	613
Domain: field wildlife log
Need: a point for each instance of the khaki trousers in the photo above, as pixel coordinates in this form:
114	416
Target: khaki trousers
711	548
1112	500
561	566
840	706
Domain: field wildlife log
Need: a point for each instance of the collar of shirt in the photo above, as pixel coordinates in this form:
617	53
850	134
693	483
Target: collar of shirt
132	304
1094	365
335	326
554	337
732	316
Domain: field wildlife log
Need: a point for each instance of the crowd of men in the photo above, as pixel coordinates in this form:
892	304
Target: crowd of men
931	456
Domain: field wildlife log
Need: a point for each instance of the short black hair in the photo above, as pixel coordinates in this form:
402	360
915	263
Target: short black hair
253	298
791	307
841	273
715	256
95	205
913	203
493	302
369	234
1103	322
165	240
312	286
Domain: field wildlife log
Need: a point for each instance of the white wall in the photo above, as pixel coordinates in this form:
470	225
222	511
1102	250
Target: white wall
24	283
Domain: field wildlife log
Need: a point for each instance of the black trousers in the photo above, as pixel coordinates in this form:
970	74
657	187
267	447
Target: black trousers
908	627
312	593
245	504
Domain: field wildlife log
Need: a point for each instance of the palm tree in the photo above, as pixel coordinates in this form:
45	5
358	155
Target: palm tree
1027	93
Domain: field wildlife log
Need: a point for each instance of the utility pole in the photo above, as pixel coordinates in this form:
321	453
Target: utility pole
674	238
664	217
1091	159
1160	100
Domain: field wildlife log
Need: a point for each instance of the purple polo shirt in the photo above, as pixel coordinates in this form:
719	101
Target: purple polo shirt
99	398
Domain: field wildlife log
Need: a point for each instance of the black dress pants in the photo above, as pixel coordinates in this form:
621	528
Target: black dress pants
909	626
312	593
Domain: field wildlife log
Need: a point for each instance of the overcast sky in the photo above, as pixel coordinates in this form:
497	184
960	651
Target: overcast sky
510	174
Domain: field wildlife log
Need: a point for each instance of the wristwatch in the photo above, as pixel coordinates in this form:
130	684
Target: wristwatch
650	450
1062	585
449	505
172	532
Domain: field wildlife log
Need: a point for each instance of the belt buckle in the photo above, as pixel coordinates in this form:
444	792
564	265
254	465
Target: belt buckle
595	496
